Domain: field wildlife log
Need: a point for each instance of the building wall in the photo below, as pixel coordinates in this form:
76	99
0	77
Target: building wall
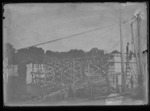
115	75
38	70
12	70
28	74
131	72
5	71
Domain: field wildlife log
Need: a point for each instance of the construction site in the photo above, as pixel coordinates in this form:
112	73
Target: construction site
97	77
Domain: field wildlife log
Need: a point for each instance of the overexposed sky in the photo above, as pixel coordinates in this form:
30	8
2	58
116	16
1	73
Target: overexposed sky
29	24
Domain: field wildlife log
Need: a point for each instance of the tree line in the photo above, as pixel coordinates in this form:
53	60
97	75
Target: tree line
37	55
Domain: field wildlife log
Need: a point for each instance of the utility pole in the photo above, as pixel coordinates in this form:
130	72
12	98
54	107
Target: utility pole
139	47
134	47
122	55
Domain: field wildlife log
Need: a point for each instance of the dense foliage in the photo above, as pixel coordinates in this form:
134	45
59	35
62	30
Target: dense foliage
37	55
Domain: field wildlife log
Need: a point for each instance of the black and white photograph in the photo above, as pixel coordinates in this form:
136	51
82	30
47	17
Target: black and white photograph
75	54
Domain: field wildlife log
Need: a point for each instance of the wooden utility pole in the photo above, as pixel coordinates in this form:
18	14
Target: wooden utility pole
122	55
139	47
89	81
134	47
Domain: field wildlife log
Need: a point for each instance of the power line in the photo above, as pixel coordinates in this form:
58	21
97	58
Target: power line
71	36
113	47
132	18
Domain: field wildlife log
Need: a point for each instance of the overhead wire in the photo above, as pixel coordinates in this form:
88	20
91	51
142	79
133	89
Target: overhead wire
114	46
71	36
132	18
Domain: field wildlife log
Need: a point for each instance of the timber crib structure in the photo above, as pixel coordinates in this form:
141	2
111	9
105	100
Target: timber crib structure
89	76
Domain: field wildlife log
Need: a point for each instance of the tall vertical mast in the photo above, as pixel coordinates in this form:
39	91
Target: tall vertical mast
134	46
139	46
122	55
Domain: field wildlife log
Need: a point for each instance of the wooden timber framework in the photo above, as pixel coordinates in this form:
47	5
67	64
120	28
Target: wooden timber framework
76	74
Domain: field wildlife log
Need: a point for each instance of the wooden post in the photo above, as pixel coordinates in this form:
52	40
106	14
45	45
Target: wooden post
140	77
134	48
89	82
122	57
73	70
72	77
